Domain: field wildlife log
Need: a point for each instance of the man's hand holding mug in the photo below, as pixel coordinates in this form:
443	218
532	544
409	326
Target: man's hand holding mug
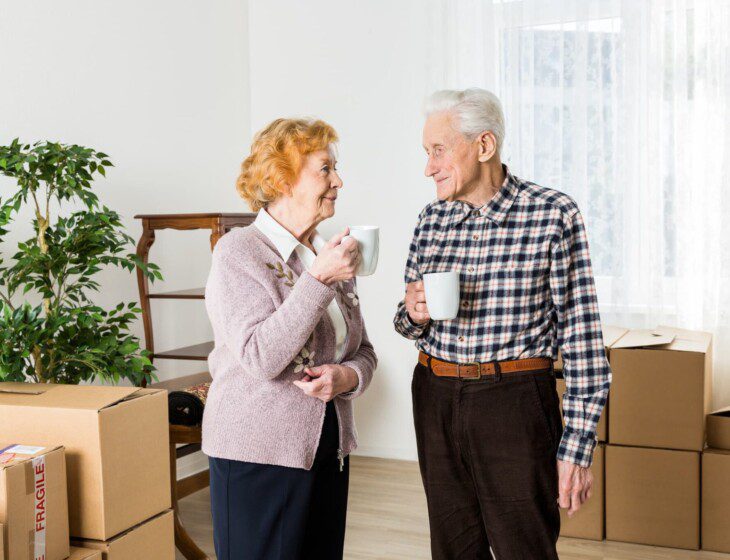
440	290
416	303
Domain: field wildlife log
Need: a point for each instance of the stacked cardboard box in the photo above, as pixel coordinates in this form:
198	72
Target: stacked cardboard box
649	470
718	429
659	398
151	539
716	483
653	496
84	554
117	458
33	502
75	553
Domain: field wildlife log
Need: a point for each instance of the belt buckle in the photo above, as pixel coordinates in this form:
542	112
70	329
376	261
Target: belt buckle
472	378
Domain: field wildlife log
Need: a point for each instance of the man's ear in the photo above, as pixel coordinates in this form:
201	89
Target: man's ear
487	145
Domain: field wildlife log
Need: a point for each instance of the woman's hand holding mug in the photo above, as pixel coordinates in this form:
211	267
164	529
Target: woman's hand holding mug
337	260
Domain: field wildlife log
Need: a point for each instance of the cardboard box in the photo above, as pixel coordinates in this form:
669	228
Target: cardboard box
117	448
154	538
661	388
2	541
653	496
718	429
33	501
716	500
84	554
611	335
588	522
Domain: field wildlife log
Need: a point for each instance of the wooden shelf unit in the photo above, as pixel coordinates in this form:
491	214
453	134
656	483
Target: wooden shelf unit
188	438
194	293
194	352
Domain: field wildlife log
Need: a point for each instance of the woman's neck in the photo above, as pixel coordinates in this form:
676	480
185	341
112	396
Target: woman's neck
300	226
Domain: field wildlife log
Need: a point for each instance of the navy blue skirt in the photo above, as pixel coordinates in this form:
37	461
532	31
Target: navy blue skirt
269	512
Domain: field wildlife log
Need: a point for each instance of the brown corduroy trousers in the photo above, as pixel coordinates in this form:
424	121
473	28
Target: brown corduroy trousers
487	454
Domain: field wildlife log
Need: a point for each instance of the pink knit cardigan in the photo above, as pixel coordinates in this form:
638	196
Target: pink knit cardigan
270	322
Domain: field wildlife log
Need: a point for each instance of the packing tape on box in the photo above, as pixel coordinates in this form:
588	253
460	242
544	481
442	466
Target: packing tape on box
35	483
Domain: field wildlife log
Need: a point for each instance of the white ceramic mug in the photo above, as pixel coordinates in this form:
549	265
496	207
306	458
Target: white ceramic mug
368	240
442	294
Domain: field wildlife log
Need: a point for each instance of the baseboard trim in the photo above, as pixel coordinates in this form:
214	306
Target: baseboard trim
399	453
191	464
198	462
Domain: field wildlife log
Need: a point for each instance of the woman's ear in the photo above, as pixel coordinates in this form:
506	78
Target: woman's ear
487	145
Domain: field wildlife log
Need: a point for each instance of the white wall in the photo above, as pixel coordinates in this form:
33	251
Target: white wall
165	88
361	66
160	86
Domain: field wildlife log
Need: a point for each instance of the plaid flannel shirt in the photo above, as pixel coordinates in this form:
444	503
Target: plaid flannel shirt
526	289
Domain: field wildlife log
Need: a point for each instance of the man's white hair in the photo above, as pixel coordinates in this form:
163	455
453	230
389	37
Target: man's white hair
477	110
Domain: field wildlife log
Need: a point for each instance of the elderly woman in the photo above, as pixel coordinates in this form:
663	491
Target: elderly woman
291	352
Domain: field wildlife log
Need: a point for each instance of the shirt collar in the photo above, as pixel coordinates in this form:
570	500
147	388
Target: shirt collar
284	242
498	207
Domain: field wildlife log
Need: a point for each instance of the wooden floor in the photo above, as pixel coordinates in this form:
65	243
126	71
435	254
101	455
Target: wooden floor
387	520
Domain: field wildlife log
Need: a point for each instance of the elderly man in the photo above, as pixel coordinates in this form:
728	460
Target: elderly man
494	458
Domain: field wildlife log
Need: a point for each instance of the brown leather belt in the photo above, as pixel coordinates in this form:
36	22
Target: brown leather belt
477	370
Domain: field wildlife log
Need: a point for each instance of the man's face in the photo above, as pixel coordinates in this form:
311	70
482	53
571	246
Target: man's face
453	161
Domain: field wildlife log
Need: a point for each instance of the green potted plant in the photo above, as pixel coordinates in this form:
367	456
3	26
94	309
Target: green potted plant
58	334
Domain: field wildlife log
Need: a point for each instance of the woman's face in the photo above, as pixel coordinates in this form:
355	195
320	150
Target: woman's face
315	190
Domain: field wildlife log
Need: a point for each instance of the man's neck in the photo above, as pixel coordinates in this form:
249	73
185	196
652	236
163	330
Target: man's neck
487	186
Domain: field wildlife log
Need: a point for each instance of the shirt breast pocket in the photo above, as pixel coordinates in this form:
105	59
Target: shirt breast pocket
517	290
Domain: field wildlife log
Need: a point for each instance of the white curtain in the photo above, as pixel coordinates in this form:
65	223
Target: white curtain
623	105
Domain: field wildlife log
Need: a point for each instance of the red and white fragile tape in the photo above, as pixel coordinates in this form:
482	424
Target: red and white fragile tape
39	491
9	454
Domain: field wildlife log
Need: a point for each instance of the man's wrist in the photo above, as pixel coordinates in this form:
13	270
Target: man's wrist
576	448
412	321
570	464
